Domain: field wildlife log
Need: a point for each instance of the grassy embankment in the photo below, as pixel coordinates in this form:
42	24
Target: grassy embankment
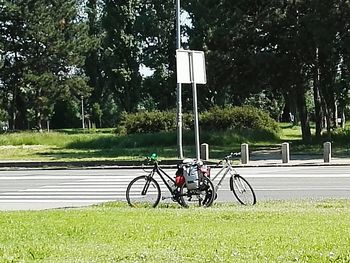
103	144
303	231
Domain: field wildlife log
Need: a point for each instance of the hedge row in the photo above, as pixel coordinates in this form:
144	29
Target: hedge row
229	118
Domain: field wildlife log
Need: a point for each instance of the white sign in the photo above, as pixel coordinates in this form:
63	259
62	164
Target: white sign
190	66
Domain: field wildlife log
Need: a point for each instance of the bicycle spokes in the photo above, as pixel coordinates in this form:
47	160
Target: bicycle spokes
143	191
242	190
240	186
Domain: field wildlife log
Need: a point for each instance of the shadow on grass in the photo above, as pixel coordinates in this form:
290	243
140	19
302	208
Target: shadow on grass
137	146
86	131
117	153
111	146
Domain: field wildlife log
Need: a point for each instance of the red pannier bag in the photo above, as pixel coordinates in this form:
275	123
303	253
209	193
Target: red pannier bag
179	177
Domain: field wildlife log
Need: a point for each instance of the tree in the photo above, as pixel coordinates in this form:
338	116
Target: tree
289	45
121	52
12	37
58	42
48	43
157	34
93	61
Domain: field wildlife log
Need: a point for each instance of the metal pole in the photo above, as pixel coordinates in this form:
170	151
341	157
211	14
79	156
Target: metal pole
196	125
82	112
178	87
195	109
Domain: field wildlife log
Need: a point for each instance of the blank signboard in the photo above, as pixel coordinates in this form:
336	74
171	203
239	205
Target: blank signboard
190	67
199	67
183	66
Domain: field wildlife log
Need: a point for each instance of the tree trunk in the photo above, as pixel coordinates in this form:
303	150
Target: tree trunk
303	114
39	121
335	115
317	99
294	105
318	112
12	110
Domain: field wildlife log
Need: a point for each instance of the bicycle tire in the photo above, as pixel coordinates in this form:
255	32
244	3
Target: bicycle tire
202	196
242	190
135	195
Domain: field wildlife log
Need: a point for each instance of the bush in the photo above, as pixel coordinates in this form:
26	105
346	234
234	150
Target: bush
338	136
238	118
149	122
232	118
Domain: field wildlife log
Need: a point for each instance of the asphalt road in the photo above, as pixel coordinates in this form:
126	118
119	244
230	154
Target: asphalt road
44	189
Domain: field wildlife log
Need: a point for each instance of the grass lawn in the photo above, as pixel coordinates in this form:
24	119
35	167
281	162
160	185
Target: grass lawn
104	144
300	231
73	146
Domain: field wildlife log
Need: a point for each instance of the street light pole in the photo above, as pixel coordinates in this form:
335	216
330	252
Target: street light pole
82	112
178	87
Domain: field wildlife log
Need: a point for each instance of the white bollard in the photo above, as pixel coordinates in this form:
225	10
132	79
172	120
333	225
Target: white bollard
327	152
285	152
244	153
204	151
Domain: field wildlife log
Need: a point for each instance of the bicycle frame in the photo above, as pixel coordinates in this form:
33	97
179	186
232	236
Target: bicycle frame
227	168
163	175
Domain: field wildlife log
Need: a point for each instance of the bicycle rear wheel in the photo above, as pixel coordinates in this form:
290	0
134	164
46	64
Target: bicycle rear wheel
143	191
202	196
242	190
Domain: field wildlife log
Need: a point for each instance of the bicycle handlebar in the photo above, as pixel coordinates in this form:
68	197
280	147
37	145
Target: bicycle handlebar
230	157
236	154
151	159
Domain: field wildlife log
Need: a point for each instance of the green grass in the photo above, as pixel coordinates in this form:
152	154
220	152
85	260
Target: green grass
302	231
104	144
72	145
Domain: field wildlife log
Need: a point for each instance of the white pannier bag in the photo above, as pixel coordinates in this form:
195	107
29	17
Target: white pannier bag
191	173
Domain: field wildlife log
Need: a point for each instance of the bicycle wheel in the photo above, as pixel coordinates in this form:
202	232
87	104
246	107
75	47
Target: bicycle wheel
202	196
242	190
143	191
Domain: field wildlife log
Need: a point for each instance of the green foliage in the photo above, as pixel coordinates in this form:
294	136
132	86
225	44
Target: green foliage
33	138
66	114
121	52
219	119
238	118
149	122
97	113
271	102
290	47
44	64
338	136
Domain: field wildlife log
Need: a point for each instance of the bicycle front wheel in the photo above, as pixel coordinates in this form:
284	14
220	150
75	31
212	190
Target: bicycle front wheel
143	191
202	196
242	190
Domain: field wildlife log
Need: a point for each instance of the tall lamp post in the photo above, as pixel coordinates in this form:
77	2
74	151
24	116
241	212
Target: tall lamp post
178	87
82	113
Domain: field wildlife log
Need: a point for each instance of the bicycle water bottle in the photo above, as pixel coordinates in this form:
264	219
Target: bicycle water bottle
172	185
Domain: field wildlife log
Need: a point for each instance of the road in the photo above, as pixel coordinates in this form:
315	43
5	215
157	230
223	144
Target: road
44	189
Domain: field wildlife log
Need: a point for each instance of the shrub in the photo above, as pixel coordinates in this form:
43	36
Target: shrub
149	122
232	118
338	136
238	118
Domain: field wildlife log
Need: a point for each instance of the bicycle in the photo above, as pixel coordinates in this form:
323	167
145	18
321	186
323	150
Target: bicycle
240	187
145	191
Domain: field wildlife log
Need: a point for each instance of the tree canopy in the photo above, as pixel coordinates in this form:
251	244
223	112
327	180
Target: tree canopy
288	57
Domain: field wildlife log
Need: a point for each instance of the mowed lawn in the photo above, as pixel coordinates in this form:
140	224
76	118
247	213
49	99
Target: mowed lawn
301	231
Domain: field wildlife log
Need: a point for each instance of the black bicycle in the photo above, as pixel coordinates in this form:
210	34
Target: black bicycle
144	190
